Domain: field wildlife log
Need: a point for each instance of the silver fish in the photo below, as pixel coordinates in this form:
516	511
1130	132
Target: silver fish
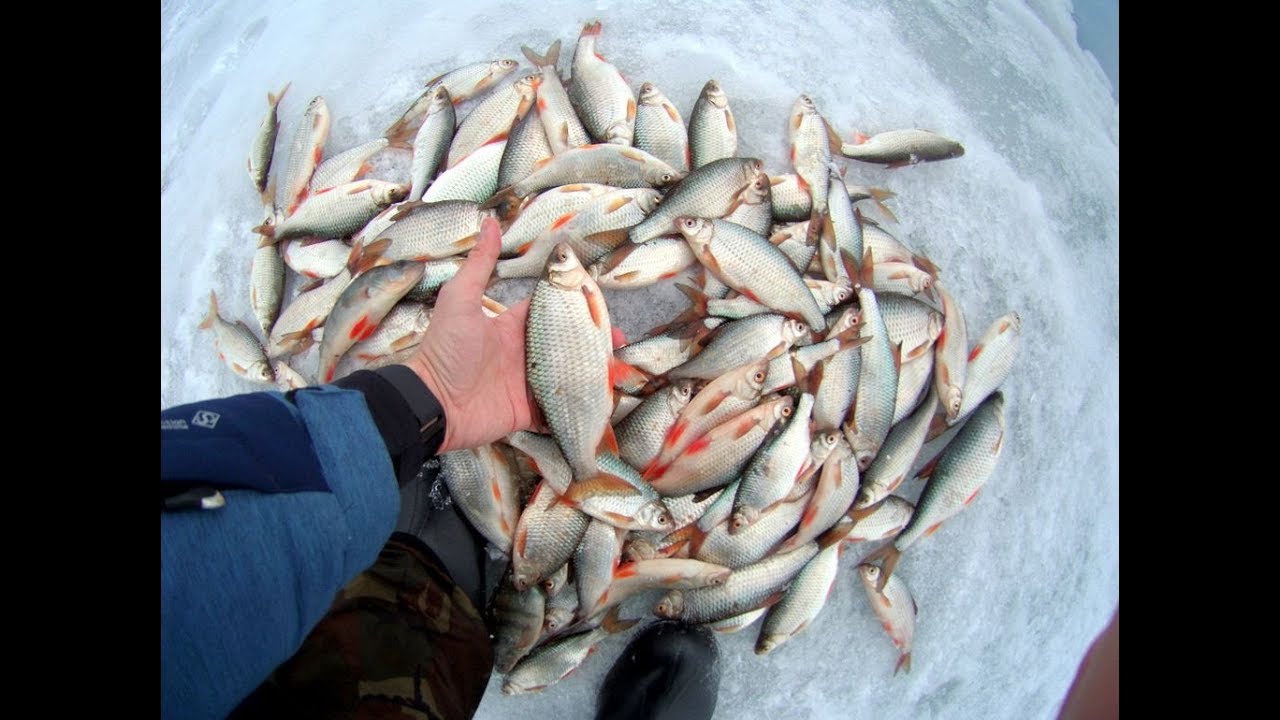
546	212
554	661
462	84
739	342
637	266
562	128
897	148
990	361
868	423
660	130
266	287
292	332
604	99
315	258
473	178
431	231
526	147
548	461
713	134
431	144
335	212
803	601
754	542
305	150
492	119
593	232
518	615
546	536
712	191
895	608
641	433
949	356
236	345
360	307
483	484
264	143
898	453
747	589
619	166
400	329
346	166
775	470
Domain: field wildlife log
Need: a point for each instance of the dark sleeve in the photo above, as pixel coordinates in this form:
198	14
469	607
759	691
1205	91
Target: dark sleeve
407	414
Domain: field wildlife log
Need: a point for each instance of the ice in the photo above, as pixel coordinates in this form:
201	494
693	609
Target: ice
1012	590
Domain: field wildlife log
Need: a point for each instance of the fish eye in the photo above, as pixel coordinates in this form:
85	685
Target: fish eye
508	63
689	223
759	376
786	412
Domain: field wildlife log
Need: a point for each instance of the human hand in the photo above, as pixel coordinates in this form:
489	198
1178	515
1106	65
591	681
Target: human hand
472	363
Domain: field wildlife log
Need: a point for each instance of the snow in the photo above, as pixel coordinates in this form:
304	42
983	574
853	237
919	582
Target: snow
1012	590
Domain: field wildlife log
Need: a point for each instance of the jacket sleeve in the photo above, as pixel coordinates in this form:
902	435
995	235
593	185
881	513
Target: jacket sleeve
242	585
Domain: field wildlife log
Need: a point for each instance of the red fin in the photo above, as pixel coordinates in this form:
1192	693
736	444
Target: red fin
698	445
560	221
977	350
744	427
609	442
675	433
624	570
728	121
496	489
696	297
929	467
716	402
904	663
971	497
622	374
359	328
932	529
595	303
522	539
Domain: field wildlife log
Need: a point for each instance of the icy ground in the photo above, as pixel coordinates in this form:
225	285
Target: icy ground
1011	591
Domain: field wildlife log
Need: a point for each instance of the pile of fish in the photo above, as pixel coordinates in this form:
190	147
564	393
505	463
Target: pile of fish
713	470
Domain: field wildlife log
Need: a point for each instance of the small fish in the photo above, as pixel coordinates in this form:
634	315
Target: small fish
775	470
266	287
562	128
910	323
641	433
483	484
546	212
748	588
723	399
492	119
750	264
313	257
345	167
802	602
841	233
431	231
594	561
546	458
878	522
431	143
754	542
361	306
637	266
619	166
553	662
794	242
712	191
237	347
913	378
811	139
713	134
719	455
869	421
897	148
668	348
593	231
518	615
462	84
950	360
546	536
526	147
835	491
633	578
434	275
752	207
897	455
287	378
737	623
264	143
660	130
736	343
990	362
401	329
336	212
895	608
618	496
305	150
604	99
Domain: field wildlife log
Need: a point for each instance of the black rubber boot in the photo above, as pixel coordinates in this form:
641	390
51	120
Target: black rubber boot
427	513
669	671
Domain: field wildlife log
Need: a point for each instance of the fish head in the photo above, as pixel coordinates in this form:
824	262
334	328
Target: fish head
563	268
317	105
698	232
649	94
783	408
557	619
757	190
840	294
670	606
716	577
260	372
935	325
646	199
793	330
1013	321
714	95
768	643
653	515
864	457
638	549
742	519
952	399
680	394
527	86
440	99
869	573
803	106
823	444
390	193
659	174
864	499
749	379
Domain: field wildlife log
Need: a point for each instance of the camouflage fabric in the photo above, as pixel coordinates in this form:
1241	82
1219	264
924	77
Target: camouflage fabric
401	641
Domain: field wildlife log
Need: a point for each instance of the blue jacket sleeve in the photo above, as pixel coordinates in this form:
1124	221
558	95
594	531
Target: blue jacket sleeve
242	585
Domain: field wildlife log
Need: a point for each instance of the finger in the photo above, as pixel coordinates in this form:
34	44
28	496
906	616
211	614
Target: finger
619	339
469	284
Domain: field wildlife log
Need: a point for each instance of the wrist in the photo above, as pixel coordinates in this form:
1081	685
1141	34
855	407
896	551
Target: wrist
424	371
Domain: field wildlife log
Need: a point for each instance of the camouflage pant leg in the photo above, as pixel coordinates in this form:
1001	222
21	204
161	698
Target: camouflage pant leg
401	641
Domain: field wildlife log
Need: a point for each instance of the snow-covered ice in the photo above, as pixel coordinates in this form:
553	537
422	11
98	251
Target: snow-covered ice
1012	590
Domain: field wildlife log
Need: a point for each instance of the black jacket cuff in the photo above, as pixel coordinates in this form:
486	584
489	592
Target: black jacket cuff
401	406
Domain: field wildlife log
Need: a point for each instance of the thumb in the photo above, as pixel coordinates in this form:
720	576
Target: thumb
469	284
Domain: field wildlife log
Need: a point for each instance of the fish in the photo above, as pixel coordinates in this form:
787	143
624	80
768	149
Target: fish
913	378
748	588
266	287
887	248
877	522
483	484
604	100
641	433
713	134
546	536
361	306
869	421
526	147
792	203
561	127
721	400
811	139
264	144
623	406
959	472
462	84
897	455
594	562
658	353
287	378
894	608
719	455
568	355
236	346
752	207
546	458
593	231
632	578
802	602
561	608
842	232
345	167
903	279
794	242
660	130
336	212
827	295
431	143
774	471
474	178
912	324
313	257
305	150
555	583
738	342
434	275
619	166
950	360
712	191
737	623
756	541
546	212
432	231
837	486
990	362
518	616
292	332
896	148
637	266
491	120
553	661
620	497
750	264
400	329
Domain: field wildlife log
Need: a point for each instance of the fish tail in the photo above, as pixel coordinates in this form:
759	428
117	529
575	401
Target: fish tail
401	134
550	59
274	100
213	312
904	663
697	299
